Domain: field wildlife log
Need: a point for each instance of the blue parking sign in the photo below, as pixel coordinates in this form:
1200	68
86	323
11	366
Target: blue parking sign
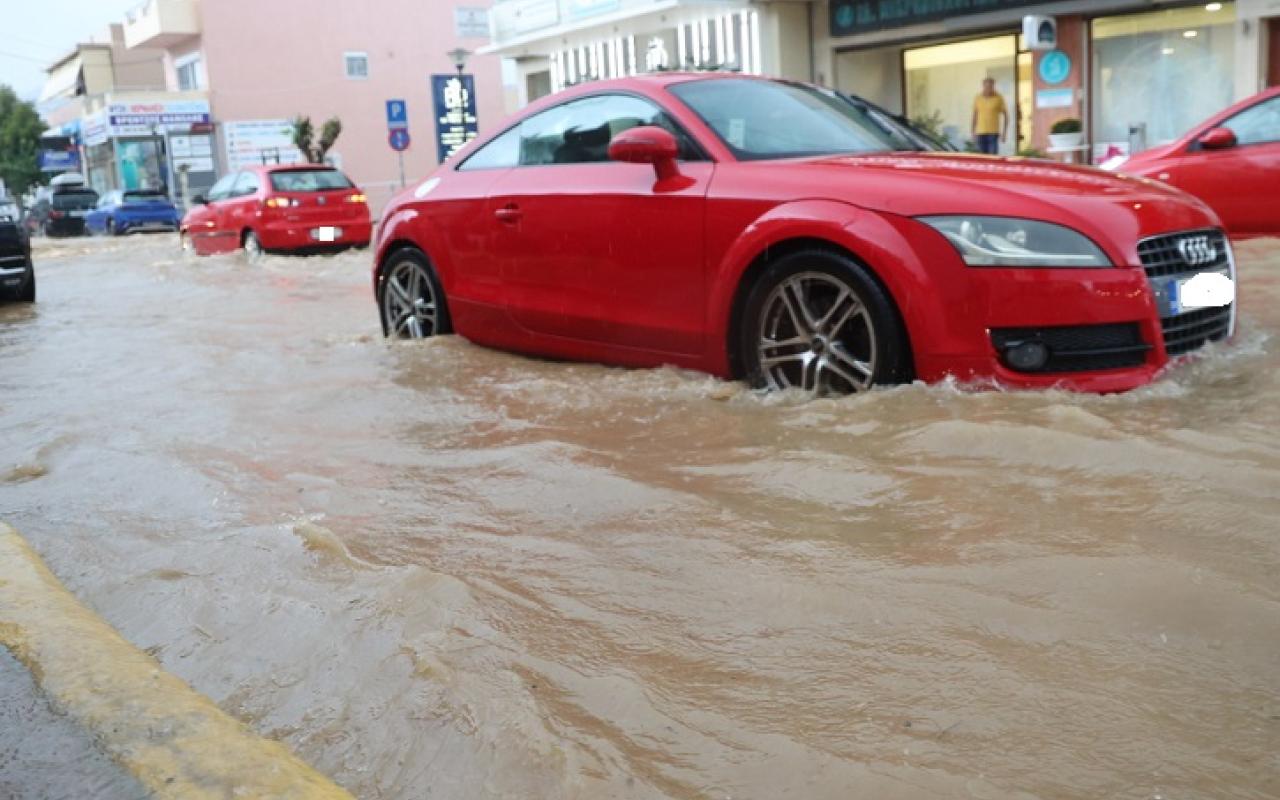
397	114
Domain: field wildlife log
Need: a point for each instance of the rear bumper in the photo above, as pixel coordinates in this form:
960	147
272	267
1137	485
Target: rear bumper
292	235
67	226
131	224
15	271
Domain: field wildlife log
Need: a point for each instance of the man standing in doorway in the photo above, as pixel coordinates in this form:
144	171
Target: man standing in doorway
990	119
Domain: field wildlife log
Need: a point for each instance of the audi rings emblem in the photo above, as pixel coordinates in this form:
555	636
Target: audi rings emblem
1198	250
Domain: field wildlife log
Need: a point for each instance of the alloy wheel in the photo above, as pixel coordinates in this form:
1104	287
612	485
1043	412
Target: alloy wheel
409	303
816	334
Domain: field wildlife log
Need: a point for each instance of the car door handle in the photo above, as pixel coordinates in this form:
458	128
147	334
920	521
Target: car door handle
510	214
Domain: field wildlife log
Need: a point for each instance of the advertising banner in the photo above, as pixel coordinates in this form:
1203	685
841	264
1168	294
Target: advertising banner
59	160
454	101
147	118
851	17
260	141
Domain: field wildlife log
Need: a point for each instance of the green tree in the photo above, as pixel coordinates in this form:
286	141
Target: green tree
304	134
20	129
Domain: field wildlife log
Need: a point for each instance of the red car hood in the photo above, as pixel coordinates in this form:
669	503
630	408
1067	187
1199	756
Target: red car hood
1113	210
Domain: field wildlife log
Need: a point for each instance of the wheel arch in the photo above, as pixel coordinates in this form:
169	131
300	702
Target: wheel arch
811	225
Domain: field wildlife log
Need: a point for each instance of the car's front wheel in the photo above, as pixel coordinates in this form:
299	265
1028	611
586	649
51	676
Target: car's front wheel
28	293
818	321
111	227
412	300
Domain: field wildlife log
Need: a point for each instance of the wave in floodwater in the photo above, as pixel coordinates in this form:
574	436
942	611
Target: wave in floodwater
435	569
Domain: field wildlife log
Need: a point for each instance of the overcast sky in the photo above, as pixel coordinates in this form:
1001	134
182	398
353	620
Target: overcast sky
39	32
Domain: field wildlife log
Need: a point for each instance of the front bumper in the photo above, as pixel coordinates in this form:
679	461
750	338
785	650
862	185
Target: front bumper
299	235
1114	326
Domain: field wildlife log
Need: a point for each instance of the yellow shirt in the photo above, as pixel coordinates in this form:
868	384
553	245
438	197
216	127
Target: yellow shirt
988	110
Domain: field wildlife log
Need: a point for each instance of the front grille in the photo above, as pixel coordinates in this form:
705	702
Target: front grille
1194	329
1079	348
1173	257
1164	255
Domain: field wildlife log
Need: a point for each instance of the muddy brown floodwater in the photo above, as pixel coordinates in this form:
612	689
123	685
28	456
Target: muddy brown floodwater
439	571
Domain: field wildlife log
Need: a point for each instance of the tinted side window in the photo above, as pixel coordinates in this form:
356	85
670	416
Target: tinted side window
579	132
222	189
502	153
1258	124
246	184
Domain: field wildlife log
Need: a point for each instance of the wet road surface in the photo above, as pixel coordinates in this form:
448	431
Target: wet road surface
440	571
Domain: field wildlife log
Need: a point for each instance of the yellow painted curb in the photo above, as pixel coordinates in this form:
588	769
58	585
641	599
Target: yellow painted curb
174	740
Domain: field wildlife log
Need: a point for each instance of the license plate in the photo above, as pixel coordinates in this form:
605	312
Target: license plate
78	213
327	234
1206	290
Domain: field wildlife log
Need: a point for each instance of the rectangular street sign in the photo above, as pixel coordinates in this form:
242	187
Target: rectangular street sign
397	114
454	99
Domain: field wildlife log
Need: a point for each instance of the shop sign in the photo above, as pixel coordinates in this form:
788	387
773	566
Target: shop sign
193	152
851	17
471	23
577	9
59	161
94	130
1055	98
143	119
1055	67
454	100
260	141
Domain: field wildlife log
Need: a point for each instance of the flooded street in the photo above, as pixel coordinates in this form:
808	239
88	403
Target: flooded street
438	571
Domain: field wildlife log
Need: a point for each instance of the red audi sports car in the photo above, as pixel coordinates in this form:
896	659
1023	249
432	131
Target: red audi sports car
762	229
1231	161
298	208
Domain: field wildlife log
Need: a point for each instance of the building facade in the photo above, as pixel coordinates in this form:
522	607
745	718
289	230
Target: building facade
263	64
1135	73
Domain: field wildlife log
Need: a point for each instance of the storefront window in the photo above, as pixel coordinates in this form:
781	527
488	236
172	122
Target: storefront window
943	80
141	164
1159	73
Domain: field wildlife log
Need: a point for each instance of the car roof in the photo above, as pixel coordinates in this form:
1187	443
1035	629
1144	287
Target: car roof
270	168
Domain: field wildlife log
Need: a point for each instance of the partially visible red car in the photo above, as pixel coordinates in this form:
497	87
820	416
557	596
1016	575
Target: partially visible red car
1231	162
277	208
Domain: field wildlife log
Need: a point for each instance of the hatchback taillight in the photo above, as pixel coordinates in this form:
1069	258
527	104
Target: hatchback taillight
280	202
55	214
357	198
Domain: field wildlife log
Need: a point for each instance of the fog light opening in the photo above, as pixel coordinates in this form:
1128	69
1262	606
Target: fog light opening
1027	356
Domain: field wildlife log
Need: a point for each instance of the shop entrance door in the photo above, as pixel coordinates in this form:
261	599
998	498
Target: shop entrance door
942	80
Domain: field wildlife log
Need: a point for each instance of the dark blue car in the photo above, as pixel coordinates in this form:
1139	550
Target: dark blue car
136	210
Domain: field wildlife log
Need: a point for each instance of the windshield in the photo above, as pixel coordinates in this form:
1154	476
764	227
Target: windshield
309	180
86	198
145	196
759	119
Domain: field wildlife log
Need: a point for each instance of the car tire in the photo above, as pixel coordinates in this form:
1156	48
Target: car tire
111	227
411	301
28	293
253	251
818	321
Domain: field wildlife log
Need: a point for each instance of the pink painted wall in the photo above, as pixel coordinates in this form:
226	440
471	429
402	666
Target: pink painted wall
267	60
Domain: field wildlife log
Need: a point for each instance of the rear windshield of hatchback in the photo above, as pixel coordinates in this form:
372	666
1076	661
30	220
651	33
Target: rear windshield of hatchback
309	180
145	196
75	199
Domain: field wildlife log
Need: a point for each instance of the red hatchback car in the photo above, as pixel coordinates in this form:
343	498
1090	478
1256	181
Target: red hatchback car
1231	161
762	229
298	208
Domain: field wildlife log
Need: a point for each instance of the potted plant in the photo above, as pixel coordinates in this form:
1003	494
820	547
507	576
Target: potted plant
1066	133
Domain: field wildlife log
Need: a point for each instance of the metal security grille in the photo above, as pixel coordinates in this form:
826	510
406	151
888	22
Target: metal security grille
1192	251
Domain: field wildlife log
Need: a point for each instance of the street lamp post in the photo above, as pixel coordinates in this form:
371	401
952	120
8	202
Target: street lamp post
459	57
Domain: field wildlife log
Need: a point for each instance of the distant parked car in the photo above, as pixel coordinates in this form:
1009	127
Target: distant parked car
132	211
296	208
17	277
1231	162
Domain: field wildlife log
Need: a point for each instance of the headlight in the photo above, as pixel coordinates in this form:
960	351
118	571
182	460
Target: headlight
1008	242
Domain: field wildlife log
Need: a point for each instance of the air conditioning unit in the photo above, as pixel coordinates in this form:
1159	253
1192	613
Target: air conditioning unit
1041	33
